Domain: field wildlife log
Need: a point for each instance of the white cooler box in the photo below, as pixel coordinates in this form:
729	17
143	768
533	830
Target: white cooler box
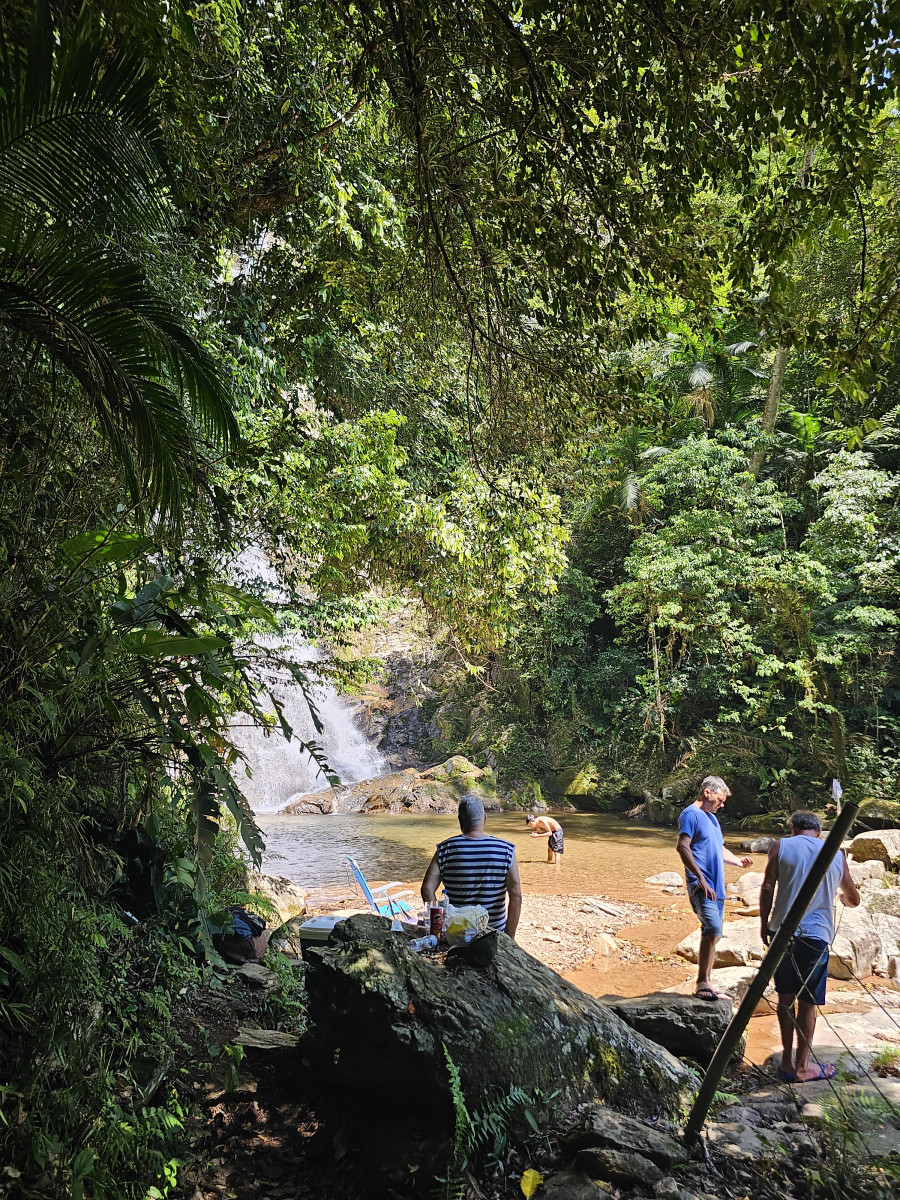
316	932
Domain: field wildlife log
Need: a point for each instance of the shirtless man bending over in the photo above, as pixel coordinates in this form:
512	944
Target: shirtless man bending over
548	828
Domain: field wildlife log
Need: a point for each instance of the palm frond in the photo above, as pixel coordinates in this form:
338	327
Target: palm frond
78	161
77	129
699	375
153	388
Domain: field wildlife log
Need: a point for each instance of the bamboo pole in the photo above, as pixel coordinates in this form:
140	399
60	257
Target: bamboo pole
732	1035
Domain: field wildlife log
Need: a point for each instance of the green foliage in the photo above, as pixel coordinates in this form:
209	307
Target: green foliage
80	166
847	1169
295	301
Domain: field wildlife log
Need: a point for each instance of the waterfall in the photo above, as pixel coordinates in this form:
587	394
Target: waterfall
281	770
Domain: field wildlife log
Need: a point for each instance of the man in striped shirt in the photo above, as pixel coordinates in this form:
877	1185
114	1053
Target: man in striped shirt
476	868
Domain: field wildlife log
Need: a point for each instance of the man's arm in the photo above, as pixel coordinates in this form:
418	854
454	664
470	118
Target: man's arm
683	846
514	891
431	881
767	892
733	860
849	892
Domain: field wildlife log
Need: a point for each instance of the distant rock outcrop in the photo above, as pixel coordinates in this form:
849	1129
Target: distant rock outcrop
433	790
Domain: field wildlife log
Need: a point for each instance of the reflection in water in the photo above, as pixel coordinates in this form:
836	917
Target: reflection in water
603	854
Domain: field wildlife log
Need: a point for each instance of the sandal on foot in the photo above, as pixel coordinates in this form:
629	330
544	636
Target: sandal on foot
823	1071
786	1076
706	993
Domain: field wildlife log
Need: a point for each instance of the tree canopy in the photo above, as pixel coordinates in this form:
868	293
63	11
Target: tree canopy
576	322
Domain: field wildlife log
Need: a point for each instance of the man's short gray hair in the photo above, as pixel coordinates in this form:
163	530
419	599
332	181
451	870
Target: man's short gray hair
470	812
712	783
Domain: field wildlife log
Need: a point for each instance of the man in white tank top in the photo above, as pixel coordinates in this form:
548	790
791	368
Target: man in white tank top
802	974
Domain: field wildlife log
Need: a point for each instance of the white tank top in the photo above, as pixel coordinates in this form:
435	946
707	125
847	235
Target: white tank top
795	857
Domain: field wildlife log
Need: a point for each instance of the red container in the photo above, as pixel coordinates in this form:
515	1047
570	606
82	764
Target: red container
436	921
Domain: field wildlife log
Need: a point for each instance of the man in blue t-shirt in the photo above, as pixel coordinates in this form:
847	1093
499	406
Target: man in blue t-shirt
703	853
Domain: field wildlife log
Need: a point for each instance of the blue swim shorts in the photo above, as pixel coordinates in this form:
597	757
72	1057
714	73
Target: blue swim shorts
711	913
803	972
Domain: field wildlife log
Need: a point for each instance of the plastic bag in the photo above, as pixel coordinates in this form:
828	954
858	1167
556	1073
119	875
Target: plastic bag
463	924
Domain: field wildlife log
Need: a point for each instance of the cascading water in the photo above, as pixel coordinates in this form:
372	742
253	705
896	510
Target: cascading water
281	770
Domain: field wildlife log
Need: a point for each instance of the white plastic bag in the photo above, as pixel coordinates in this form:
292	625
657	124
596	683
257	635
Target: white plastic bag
463	924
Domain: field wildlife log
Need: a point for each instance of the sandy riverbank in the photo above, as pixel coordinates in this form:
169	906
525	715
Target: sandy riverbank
620	941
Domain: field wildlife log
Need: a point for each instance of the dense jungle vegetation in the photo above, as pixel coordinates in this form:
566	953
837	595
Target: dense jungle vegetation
578	322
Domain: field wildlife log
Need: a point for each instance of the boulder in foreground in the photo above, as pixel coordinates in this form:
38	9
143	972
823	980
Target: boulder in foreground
286	896
387	1020
856	946
435	790
685	1025
602	1128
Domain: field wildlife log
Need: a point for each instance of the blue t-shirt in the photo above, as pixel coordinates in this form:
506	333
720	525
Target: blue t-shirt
705	833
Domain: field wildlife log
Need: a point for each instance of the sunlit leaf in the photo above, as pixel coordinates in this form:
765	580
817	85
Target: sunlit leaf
531	1181
153	644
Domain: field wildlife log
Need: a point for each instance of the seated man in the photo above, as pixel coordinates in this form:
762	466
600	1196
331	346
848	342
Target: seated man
803	971
476	868
544	826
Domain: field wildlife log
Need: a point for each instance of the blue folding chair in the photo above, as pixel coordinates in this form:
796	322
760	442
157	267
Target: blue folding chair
383	901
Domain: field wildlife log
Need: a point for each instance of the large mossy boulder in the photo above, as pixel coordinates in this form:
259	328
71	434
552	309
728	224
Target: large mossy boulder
878	814
435	790
386	1020
660	810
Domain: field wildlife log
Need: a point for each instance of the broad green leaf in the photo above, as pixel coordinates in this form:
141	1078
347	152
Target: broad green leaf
102	546
152	644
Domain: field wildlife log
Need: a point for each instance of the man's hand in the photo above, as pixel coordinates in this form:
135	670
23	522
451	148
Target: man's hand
709	892
764	932
746	862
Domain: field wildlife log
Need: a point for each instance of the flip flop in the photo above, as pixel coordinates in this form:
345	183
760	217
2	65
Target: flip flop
823	1071
786	1076
706	993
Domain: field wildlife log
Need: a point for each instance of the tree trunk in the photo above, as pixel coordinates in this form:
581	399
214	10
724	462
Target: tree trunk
660	710
770	412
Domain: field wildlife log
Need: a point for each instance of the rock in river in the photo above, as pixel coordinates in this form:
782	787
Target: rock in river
388	1022
435	790
739	944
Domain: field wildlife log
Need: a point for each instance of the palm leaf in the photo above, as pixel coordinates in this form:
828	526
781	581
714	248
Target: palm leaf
79	130
78	134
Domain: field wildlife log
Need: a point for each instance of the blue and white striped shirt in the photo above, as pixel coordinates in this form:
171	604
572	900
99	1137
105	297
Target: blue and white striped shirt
474	870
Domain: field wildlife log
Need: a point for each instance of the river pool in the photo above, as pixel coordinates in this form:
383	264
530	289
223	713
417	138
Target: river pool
603	854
